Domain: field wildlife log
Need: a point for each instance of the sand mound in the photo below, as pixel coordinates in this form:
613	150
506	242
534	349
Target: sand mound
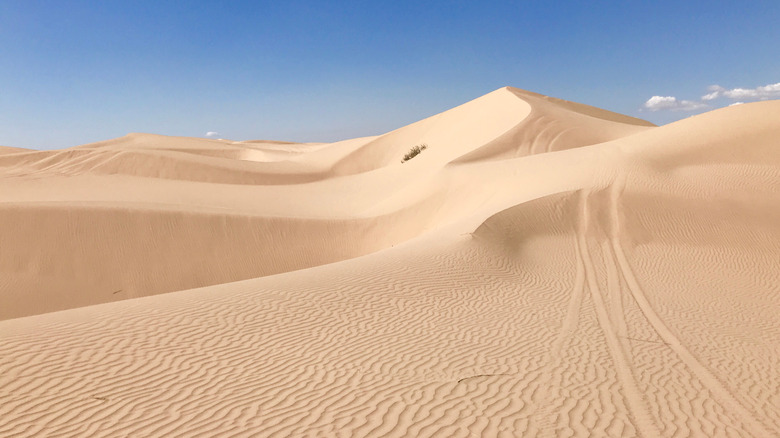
176	158
447	135
158	199
75	256
553	125
10	150
573	273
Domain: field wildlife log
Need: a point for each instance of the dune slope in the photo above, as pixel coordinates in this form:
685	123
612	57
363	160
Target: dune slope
624	285
146	214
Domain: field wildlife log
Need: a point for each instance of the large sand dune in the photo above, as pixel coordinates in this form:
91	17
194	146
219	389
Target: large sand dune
543	268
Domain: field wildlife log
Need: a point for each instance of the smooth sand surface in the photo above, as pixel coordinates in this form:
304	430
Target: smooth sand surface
544	268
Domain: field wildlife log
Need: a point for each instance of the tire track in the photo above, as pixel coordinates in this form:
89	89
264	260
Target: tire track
617	311
710	381
640	413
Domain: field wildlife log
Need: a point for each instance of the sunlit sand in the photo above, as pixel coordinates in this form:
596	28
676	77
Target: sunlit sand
543	268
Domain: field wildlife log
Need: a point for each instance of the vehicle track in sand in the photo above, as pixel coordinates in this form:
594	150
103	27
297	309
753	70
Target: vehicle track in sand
598	219
719	391
640	414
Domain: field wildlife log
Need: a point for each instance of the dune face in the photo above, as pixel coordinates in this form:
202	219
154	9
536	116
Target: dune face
544	268
147	214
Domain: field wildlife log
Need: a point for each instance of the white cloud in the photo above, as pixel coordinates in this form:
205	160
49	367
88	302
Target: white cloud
212	134
763	92
671	103
741	95
715	91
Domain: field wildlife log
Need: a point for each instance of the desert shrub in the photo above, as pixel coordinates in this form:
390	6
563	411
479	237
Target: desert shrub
413	152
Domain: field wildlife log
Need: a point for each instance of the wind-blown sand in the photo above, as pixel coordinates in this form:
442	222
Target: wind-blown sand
543	268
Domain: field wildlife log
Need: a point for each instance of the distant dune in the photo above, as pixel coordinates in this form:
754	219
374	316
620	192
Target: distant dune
11	150
543	268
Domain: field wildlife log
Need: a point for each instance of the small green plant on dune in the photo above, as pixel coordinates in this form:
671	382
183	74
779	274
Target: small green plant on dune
413	152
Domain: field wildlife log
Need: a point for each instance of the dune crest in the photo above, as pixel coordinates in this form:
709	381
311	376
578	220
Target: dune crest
544	268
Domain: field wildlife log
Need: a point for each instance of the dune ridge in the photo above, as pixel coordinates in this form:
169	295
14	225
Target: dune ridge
544	268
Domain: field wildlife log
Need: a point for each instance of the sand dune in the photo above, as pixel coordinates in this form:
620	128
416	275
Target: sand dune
544	268
121	218
11	150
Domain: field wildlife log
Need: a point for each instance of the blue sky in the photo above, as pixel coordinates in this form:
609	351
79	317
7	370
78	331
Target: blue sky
73	72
